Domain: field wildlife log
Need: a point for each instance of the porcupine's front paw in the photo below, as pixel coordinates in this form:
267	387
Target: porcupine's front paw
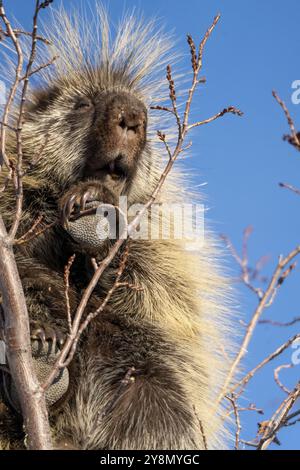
81	217
49	337
83	199
46	343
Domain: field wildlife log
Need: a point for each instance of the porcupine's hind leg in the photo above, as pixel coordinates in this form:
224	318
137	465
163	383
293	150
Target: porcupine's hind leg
129	394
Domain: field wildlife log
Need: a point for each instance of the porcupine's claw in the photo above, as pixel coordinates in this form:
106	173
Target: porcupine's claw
46	342
75	205
84	198
68	209
48	334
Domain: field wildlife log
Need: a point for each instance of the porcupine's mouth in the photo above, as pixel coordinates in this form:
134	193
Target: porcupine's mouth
116	170
115	176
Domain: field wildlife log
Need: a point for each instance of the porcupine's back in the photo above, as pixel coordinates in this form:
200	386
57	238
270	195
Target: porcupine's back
135	62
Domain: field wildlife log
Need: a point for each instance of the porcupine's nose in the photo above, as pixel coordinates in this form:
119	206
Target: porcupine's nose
130	121
119	135
127	119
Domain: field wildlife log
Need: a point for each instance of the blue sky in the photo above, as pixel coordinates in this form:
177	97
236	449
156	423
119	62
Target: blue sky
254	49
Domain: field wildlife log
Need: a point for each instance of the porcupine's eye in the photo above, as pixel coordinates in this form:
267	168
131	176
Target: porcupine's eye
83	104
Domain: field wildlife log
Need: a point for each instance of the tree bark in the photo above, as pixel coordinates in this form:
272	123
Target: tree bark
18	349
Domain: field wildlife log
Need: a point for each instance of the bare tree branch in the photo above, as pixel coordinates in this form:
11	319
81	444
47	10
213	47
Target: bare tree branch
278	323
231	110
278	276
232	400
293	138
276	376
290	187
16	321
278	419
243	382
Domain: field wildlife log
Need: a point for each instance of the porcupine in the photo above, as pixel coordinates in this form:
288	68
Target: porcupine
92	123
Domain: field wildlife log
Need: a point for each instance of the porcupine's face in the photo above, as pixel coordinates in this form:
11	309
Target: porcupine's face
95	140
91	134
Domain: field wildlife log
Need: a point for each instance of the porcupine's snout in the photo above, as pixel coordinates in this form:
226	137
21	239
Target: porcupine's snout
118	136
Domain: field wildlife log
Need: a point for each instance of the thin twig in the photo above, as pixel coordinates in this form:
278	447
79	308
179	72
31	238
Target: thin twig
246	275
278	419
230	109
39	68
163	108
67	288
13	90
276	376
291	416
278	323
18	180
232	400
36	234
77	328
289	119
290	187
30	231
243	382
20	32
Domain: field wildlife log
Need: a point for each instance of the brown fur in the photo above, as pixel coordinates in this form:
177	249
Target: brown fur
173	331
